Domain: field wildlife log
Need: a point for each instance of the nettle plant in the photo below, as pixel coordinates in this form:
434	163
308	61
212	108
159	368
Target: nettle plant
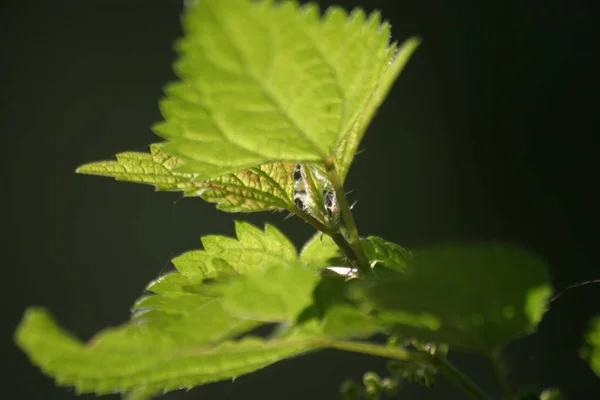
272	102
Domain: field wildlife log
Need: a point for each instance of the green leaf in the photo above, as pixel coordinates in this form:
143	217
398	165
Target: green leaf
268	186
252	252
345	320
476	297
591	350
155	169
144	359
141	394
388	254
248	95
389	73
175	284
278	295
320	252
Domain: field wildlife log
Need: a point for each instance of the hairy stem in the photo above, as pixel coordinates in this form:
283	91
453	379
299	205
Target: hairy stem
494	359
337	236
348	218
440	364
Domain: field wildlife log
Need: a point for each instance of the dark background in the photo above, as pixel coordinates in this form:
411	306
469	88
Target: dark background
486	136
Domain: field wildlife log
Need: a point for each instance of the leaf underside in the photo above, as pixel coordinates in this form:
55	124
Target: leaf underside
265	187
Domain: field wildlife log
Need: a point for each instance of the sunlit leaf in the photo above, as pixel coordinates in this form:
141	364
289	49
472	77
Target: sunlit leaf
265	187
320	252
249	94
278	295
268	186
251	252
141	358
155	169
471	296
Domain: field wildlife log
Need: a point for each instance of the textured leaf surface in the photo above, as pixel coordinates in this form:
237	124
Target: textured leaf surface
251	252
388	254
471	296
268	186
155	169
591	349
261	83
140	358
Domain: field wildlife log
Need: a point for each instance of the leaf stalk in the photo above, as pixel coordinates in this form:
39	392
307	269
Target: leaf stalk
440	364
347	217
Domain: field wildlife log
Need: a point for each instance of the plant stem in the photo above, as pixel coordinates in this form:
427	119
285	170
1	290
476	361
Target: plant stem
337	236
349	222
458	378
494	359
440	364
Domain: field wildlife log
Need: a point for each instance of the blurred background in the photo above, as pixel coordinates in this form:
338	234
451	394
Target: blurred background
487	135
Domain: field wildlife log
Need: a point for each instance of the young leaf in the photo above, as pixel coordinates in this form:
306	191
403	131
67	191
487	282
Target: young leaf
477	297
250	253
591	350
268	186
141	358
321	252
248	95
313	190
388	254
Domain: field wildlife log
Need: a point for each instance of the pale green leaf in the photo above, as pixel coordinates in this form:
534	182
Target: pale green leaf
265	187
155	169
252	252
347	147
140	358
475	297
388	254
268	186
591	350
249	94
278	295
320	252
